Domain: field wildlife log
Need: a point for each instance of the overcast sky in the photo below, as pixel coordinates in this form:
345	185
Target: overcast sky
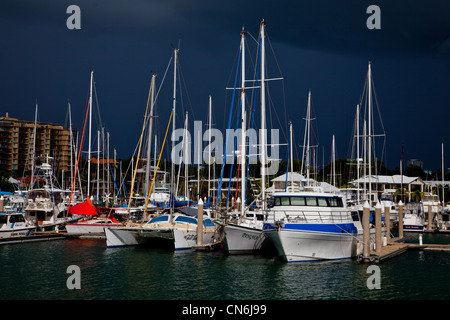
323	45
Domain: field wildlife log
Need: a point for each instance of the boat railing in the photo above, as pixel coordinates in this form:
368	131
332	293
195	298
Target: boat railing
296	216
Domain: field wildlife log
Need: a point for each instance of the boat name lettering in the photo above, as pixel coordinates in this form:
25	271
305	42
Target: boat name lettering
249	236
190	237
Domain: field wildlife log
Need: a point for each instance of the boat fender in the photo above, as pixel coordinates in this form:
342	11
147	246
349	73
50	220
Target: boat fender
279	225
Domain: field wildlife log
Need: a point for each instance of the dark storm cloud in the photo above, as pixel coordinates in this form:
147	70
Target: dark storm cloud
321	44
336	26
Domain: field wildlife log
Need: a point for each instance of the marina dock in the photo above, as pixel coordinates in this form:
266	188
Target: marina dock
50	235
390	247
397	247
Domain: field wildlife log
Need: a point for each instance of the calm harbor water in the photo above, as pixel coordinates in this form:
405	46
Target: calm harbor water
38	270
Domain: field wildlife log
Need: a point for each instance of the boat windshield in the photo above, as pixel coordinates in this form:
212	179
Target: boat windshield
208	223
183	219
16	218
159	219
308	201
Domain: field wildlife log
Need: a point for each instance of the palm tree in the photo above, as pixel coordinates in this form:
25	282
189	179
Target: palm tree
417	195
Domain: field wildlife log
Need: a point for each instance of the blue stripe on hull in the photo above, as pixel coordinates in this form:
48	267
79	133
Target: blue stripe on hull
318	227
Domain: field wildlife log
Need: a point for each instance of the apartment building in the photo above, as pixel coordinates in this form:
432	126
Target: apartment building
17	142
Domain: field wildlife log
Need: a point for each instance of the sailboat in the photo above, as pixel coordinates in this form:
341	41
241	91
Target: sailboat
161	226
89	221
92	221
244	234
367	138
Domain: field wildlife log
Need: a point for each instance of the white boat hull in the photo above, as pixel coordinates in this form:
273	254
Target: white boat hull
294	245
240	239
119	237
412	222
133	236
187	238
89	228
16	232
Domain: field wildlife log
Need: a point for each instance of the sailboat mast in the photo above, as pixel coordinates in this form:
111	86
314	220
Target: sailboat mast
291	156
243	167
89	147
357	148
263	116
149	142
98	164
308	137
173	121
443	194
334	160
369	141
33	155
209	146
185	156
71	143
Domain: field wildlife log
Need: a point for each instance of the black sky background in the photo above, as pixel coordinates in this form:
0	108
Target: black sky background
320	45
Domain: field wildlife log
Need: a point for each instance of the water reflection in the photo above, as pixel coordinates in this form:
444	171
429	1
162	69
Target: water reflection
38	271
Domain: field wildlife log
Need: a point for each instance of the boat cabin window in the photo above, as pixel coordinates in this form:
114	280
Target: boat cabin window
159	219
208	223
308	201
356	216
16	218
298	201
3	219
322	202
184	219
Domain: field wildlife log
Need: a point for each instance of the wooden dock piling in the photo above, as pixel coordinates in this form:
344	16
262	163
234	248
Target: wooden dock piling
400	219
378	228
200	223
366	230
430	217
387	222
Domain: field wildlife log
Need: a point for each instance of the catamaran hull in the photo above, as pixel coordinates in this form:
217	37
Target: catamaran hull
120	237
187	239
80	228
116	237
243	240
296	245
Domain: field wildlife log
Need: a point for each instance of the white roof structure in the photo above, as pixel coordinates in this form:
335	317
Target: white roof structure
280	181
395	179
294	176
